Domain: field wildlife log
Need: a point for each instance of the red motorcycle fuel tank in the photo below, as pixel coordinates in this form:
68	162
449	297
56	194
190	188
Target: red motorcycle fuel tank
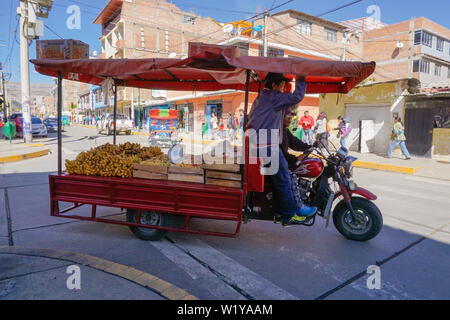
310	168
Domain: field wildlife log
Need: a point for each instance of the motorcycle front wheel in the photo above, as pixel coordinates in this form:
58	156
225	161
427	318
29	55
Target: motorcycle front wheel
367	225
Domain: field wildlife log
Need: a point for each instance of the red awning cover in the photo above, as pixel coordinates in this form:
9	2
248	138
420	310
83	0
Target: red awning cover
209	68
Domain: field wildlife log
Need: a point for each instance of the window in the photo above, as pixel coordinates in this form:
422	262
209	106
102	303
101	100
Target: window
356	40
304	27
437	70
330	34
425	66
189	19
440	44
421	66
448	72
271	52
243	48
416	65
423	37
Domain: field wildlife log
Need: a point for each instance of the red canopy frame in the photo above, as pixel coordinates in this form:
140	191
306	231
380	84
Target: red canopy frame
207	68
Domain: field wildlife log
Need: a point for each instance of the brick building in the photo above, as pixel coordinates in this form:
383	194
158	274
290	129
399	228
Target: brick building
145	29
418	48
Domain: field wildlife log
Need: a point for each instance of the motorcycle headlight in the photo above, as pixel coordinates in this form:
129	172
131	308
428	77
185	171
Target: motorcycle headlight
352	186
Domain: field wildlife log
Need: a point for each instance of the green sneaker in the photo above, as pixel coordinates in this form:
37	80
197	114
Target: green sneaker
294	220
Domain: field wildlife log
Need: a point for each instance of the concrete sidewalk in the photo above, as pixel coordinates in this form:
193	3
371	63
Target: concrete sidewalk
424	167
17	150
29	273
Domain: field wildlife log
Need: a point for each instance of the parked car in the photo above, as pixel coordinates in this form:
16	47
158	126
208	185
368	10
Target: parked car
51	123
106	123
38	128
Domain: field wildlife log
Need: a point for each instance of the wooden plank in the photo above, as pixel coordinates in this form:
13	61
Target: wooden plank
150	168
223	183
223	175
186	177
149	175
223	167
197	171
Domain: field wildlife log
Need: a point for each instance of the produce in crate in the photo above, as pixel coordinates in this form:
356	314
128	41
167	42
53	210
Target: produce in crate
109	160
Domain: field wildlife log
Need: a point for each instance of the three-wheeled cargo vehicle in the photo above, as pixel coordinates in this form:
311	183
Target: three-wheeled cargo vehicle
151	205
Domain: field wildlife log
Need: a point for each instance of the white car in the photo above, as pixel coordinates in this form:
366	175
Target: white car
106	123
38	128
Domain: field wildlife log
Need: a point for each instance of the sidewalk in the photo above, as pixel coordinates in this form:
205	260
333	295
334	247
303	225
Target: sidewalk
424	167
28	274
17	150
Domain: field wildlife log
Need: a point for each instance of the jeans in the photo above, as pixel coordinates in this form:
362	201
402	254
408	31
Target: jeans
283	198
308	136
343	142
402	144
323	137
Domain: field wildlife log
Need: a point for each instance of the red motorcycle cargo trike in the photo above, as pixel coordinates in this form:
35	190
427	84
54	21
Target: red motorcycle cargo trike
153	207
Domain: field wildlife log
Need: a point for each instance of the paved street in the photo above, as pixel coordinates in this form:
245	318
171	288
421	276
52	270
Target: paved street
265	262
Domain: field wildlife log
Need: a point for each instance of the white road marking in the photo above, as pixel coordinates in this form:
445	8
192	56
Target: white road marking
197	271
250	282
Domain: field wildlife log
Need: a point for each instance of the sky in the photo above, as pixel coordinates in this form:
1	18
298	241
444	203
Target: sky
391	11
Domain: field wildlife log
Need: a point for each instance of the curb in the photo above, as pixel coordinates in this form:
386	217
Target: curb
386	167
24	156
163	288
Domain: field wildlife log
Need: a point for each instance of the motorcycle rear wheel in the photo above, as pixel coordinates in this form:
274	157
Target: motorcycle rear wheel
369	224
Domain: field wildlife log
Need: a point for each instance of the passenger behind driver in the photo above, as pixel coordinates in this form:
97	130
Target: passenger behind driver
266	115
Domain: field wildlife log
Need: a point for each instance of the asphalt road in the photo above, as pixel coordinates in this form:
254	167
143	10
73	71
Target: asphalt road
266	261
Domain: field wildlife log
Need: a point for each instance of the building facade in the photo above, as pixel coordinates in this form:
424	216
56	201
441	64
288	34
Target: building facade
148	29
418	48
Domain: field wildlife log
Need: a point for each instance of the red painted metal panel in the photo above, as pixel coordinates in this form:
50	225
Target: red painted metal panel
189	199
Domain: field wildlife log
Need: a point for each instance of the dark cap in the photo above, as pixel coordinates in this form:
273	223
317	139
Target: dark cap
276	78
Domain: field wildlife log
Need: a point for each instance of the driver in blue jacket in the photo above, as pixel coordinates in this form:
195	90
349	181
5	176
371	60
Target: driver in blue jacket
266	117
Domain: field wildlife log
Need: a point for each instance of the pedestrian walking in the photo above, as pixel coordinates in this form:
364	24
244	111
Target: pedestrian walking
321	130
204	130
344	131
307	123
230	126
398	138
213	125
236	124
221	128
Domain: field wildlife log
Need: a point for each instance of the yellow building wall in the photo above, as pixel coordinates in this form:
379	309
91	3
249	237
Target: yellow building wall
380	93
441	141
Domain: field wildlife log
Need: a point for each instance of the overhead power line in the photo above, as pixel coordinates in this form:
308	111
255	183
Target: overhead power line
339	8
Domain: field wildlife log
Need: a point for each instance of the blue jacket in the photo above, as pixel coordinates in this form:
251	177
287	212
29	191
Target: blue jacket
268	110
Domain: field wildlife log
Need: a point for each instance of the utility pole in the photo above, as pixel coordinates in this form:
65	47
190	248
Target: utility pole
25	71
5	108
266	25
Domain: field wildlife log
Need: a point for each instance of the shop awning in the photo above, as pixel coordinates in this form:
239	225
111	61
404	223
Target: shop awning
209	68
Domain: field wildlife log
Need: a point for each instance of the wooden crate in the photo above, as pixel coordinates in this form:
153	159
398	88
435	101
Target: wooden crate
223	167
149	175
223	183
225	175
186	174
146	171
150	168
